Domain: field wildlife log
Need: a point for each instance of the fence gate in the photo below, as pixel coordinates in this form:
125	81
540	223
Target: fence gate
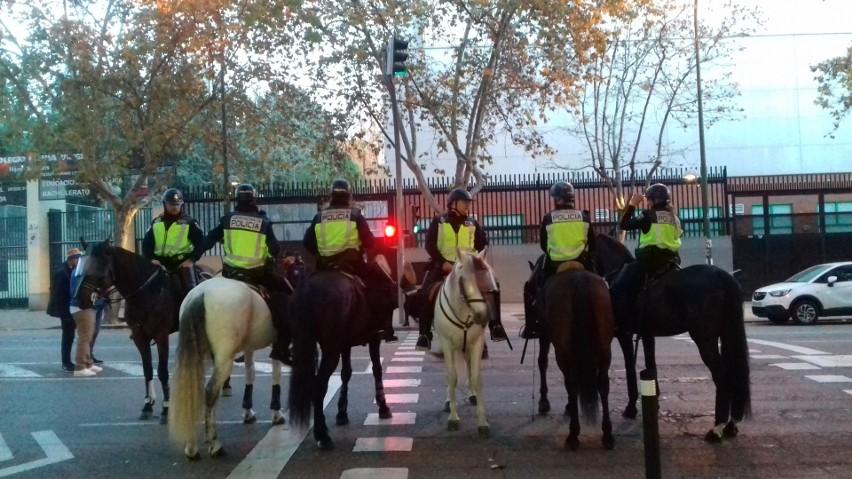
14	292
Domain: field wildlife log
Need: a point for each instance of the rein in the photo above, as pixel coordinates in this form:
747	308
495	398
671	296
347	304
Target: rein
143	286
452	316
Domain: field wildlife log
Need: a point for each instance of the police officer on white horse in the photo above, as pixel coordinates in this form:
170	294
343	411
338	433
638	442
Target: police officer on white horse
250	250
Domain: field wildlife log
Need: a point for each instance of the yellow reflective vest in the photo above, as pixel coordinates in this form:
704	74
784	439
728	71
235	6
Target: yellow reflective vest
449	240
665	232
567	235
245	241
173	242
336	232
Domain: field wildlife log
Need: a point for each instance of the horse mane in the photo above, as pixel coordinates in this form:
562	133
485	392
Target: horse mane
610	254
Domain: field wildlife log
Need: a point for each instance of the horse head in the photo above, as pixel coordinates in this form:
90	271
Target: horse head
470	276
610	255
98	264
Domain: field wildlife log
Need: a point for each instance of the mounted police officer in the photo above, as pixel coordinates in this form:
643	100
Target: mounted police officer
338	236
566	235
451	230
659	241
174	241
250	250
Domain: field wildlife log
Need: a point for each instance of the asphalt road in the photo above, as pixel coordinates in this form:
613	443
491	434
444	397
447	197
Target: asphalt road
55	426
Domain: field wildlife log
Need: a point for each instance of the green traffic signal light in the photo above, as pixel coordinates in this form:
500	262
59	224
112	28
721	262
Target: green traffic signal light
415	229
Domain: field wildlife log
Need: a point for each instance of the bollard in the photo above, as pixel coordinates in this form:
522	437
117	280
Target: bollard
650	426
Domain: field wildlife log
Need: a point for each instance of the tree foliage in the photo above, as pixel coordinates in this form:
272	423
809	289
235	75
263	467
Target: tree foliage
645	80
834	91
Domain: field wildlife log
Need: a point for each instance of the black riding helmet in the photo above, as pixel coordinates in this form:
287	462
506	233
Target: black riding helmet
659	194
341	192
245	194
563	191
173	196
458	194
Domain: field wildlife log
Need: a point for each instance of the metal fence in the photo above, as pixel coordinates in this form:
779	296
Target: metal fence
14	289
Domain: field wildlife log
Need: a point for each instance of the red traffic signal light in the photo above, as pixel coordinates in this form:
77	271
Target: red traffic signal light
390	231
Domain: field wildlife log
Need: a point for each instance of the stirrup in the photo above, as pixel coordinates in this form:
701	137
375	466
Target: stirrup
529	333
498	333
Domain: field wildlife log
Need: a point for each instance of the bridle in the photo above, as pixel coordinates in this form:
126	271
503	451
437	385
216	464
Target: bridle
451	314
109	278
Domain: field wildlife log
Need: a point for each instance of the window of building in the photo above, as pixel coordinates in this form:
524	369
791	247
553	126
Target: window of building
601	214
504	229
780	219
838	217
692	221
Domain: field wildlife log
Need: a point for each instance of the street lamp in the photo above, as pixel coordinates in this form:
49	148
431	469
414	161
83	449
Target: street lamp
704	208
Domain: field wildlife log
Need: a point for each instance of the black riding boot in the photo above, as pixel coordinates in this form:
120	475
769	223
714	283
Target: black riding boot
496	322
281	345
188	279
530	318
427	313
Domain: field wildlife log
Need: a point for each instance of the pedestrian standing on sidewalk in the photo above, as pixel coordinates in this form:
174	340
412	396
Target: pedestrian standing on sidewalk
59	305
83	311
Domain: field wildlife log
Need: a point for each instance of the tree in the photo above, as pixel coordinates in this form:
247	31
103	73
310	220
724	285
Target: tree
128	85
834	93
645	80
477	71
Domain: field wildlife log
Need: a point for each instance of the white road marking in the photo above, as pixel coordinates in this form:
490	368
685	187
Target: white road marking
848	391
53	448
375	473
369	368
9	371
404	369
788	347
5	452
411	353
264	367
407	359
401	398
398	419
834	361
795	366
828	378
768	356
401	383
383	444
274	451
133	369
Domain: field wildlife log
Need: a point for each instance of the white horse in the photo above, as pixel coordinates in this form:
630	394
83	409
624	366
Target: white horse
219	318
461	317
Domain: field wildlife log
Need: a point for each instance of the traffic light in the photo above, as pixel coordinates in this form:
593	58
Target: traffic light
390	231
396	56
415	213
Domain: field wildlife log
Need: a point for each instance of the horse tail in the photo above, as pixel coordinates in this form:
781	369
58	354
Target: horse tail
734	349
187	403
587	356
303	375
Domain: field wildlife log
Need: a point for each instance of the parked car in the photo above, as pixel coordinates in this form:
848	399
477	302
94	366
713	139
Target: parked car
821	290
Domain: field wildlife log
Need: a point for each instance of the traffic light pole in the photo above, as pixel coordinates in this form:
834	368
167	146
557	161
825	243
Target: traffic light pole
398	214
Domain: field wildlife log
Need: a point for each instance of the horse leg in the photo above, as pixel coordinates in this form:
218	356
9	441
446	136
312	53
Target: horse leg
249	416
475	380
275	402
572	442
221	371
342	418
608	440
163	375
709	352
148	371
376	360
626	344
328	364
543	402
451	405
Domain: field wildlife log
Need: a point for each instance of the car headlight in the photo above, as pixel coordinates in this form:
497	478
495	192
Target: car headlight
778	293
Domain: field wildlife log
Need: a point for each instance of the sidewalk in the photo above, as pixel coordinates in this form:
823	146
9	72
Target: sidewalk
21	319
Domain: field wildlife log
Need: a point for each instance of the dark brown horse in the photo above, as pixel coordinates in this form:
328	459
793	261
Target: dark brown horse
701	300
151	307
575	315
326	310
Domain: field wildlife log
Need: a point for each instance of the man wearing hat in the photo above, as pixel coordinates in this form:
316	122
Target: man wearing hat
60	300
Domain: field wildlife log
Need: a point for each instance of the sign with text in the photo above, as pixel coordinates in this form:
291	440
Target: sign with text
59	181
13	194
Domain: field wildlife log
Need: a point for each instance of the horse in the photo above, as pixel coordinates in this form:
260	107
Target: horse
327	309
151	307
462	313
702	300
219	318
575	316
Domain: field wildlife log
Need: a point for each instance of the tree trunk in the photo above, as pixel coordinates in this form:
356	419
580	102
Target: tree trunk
124	236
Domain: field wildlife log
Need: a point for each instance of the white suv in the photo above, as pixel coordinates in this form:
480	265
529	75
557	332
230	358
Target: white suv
821	290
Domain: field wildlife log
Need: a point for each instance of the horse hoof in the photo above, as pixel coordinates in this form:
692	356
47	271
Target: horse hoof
730	430
453	425
217	451
342	419
484	432
250	419
630	412
146	415
164	419
277	418
191	453
608	442
543	407
713	437
572	443
472	400
385	413
326	444
446	406
227	392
